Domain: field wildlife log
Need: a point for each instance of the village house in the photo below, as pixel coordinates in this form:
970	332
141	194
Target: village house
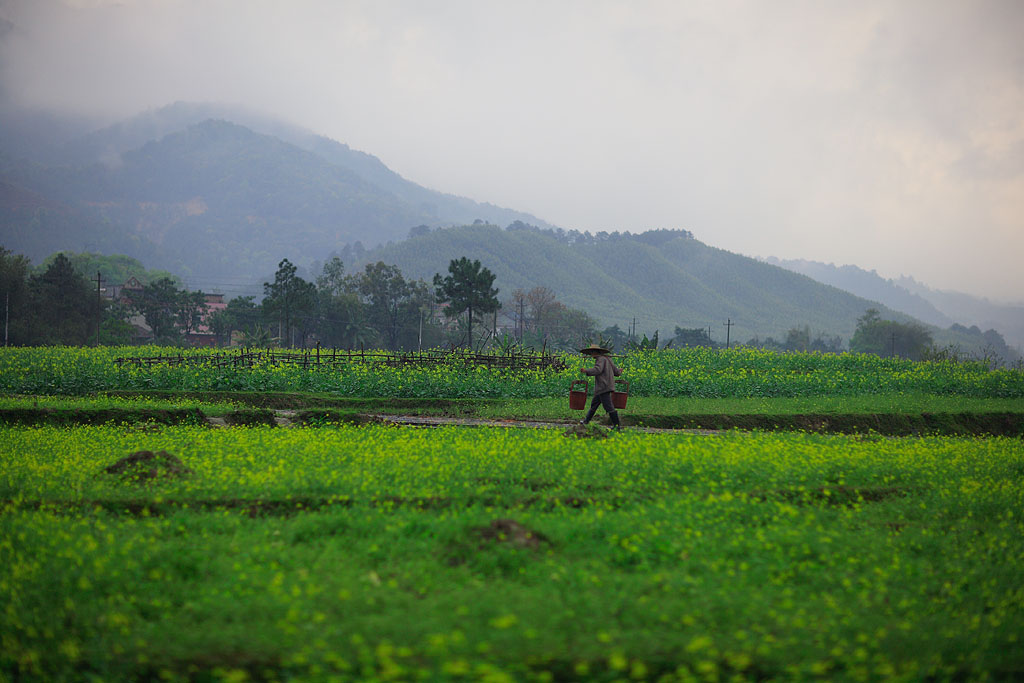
203	335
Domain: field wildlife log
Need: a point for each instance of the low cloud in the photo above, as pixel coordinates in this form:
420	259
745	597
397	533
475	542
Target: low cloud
883	134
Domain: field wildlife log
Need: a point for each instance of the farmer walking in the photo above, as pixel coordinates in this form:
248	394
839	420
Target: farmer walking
604	373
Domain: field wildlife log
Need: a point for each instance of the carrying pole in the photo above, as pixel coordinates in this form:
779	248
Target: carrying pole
99	307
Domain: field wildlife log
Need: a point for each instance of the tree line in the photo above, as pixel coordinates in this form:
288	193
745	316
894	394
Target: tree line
55	305
374	307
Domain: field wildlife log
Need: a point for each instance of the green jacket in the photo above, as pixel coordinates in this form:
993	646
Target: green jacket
604	373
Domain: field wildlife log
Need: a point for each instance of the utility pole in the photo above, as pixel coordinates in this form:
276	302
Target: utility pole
99	307
7	314
892	346
728	329
522	329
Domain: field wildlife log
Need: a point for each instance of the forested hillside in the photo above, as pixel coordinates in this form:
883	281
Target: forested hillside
672	281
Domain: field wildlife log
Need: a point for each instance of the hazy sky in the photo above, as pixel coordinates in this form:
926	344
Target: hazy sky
886	134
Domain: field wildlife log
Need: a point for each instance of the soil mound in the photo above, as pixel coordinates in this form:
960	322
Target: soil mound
144	466
587	431
513	533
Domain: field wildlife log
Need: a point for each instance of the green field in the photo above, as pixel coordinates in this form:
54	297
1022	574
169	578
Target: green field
897	404
557	408
133	549
693	373
387	553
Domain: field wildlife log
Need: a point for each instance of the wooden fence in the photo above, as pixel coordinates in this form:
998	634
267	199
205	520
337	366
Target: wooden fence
318	358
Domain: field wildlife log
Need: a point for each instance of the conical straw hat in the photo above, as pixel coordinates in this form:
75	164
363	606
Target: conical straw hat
595	350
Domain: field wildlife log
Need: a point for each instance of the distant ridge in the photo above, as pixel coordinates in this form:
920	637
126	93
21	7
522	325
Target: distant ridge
936	307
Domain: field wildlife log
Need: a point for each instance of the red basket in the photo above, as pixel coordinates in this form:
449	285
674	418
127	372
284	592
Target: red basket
577	398
619	397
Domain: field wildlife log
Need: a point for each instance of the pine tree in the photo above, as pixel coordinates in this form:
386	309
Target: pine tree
467	288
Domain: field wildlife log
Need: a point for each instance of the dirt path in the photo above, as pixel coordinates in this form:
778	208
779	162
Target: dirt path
438	421
286	418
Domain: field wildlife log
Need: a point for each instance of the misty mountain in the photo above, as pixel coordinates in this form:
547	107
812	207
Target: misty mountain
935	307
973	310
869	285
209	198
108	144
219	199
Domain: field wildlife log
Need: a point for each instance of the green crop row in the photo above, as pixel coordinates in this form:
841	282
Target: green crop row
372	462
379	553
704	373
69	403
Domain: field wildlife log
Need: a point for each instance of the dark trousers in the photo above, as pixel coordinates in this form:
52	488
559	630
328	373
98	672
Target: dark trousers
605	400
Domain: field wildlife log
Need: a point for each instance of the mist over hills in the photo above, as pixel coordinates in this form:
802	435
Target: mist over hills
205	196
932	306
219	193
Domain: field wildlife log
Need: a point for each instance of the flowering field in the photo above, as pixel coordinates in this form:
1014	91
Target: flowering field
673	373
450	554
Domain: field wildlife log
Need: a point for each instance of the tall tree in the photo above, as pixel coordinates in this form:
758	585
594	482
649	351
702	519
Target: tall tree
191	309
691	336
614	337
63	303
516	311
542	305
393	303
576	326
14	297
242	315
159	302
467	287
798	338
341	316
305	310
115	330
341	321
219	323
889	338
289	296
332	279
